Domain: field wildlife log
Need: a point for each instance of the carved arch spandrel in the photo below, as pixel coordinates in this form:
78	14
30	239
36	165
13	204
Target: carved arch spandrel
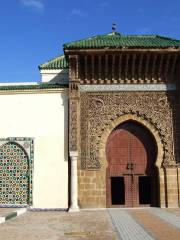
120	120
100	110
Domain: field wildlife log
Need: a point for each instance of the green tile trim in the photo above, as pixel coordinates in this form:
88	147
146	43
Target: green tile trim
10	215
29	87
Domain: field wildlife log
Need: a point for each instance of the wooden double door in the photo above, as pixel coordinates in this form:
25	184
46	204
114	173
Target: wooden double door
131	173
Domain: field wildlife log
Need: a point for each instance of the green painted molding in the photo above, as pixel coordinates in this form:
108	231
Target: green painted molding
33	87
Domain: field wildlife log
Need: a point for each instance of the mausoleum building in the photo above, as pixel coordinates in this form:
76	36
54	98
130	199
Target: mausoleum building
101	130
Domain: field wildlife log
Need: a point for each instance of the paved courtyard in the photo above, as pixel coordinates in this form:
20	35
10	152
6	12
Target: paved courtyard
111	224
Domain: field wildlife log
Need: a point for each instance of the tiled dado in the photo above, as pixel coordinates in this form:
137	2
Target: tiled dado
16	169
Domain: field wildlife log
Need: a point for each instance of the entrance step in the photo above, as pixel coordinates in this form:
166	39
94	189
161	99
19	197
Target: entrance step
127	227
9	213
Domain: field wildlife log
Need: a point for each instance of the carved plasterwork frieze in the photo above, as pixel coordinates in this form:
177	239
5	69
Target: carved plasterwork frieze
99	109
73	106
73	116
127	87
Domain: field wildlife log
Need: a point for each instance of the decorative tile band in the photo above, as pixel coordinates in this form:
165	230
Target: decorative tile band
127	88
16	171
47	209
13	206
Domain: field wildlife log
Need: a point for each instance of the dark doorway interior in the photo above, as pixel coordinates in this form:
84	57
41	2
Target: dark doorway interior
117	190
131	153
144	190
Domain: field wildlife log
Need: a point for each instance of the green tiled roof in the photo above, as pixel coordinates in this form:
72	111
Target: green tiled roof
116	40
55	63
29	87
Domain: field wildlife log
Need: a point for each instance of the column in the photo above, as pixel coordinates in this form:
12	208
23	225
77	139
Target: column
74	129
172	187
162	194
74	183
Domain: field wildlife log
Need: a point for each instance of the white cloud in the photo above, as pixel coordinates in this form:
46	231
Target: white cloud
77	12
36	4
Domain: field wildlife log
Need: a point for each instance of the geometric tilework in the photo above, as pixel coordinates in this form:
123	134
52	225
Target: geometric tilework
16	172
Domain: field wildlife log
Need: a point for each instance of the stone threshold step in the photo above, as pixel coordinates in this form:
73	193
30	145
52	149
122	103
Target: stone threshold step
13	214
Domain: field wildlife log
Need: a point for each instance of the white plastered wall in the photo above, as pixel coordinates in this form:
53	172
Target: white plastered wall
42	116
55	76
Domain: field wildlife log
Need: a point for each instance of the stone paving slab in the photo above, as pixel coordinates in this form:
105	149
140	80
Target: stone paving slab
166	216
111	224
175	211
160	229
127	227
83	225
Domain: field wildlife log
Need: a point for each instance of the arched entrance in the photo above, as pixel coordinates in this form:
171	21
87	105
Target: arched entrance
131	175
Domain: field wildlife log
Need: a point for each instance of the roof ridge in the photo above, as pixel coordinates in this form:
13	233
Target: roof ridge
169	38
94	36
141	35
151	36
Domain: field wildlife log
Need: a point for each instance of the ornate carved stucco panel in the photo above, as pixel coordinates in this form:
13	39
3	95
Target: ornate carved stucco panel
99	109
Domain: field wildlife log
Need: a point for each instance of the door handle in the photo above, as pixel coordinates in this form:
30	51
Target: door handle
130	166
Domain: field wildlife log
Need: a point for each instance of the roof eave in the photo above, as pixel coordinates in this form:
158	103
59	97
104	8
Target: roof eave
124	49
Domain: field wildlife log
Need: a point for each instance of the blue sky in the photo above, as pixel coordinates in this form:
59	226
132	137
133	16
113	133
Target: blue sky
33	31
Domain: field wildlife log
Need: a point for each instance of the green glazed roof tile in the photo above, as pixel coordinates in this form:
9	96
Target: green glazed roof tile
112	41
116	40
55	63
